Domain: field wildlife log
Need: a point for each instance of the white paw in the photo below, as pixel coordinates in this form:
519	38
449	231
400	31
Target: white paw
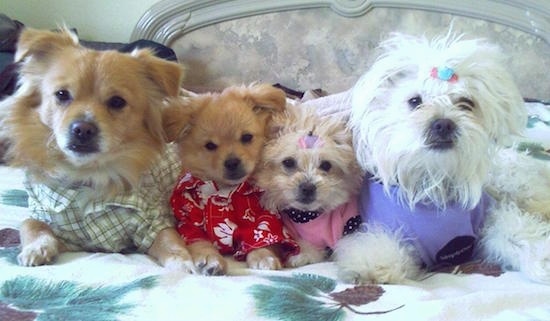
179	264
374	257
535	262
210	264
308	255
42	250
263	259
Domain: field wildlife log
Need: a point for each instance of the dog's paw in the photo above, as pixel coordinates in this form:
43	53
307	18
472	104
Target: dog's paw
535	263
374	257
263	259
308	255
210	264
43	250
379	274
176	258
207	259
170	251
180	264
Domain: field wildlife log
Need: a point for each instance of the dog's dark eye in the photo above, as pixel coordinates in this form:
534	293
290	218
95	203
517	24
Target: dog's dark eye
116	102
210	146
325	166
63	96
246	138
289	163
414	102
465	104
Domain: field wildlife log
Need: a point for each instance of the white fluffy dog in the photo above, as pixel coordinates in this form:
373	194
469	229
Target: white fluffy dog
428	119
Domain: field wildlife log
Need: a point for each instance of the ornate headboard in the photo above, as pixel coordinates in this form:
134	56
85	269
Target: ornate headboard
328	44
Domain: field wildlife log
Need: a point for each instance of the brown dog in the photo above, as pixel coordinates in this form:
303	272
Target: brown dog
220	138
86	127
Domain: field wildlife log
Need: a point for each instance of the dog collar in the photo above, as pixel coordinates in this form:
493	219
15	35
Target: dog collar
299	216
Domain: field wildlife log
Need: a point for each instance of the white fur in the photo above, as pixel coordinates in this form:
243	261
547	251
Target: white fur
521	178
391	142
376	256
380	114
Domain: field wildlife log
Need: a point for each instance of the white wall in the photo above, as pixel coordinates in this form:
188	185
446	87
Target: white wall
97	20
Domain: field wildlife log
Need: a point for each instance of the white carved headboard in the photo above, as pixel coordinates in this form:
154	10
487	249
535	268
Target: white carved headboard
305	44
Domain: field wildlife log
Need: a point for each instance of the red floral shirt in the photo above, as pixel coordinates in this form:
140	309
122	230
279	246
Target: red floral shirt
234	222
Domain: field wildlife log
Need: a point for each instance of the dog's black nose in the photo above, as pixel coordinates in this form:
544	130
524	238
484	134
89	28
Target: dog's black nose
232	164
443	127
83	131
441	134
307	192
234	169
83	137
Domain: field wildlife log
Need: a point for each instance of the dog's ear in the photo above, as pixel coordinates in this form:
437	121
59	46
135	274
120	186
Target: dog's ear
279	122
39	44
266	98
494	92
167	75
293	118
177	116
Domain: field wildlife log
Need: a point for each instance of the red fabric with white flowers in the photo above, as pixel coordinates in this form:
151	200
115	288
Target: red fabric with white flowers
235	222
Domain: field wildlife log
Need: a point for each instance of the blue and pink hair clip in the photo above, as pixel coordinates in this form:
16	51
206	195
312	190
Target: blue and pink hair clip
444	73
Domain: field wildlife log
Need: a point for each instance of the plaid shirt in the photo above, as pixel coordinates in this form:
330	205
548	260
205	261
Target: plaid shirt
127	222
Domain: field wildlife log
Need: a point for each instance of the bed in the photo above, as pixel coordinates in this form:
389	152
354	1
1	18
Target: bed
316	50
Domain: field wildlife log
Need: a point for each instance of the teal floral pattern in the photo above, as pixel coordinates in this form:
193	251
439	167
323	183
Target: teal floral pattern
304	297
29	298
14	197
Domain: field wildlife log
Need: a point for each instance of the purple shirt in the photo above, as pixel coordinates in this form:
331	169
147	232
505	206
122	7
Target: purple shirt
441	237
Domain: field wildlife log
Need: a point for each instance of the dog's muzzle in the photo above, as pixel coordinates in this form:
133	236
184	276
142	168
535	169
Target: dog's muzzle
233	168
83	137
307	193
441	134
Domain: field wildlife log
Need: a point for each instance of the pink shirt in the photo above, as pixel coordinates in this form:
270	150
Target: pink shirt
325	230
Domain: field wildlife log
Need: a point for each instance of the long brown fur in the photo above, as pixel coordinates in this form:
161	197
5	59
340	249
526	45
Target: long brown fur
131	135
222	119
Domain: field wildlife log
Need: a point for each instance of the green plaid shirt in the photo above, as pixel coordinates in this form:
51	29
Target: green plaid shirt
128	222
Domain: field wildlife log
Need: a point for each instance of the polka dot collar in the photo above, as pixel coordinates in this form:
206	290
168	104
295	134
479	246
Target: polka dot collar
299	216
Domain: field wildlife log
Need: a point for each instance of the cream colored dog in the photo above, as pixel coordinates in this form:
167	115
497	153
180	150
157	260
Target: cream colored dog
309	174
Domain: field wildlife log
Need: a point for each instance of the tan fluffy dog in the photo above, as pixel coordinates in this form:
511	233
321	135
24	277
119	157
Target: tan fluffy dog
86	127
220	138
309	174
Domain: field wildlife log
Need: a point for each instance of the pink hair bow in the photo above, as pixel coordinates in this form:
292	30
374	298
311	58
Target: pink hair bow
310	141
